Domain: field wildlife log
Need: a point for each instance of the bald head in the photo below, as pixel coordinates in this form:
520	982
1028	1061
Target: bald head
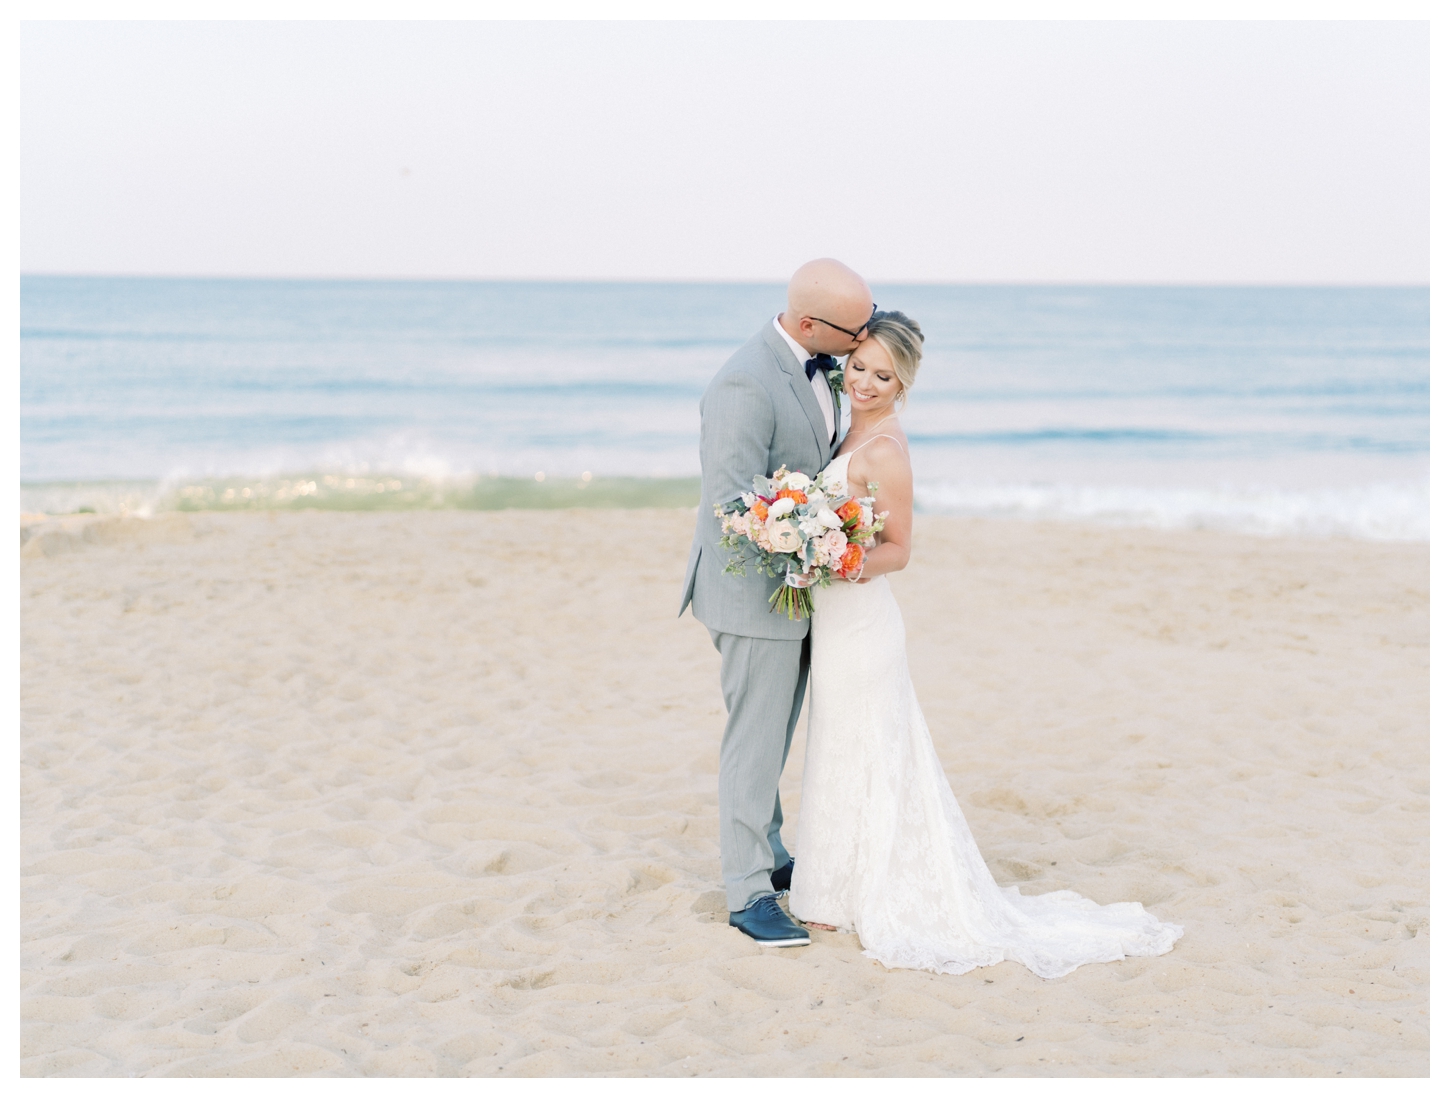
823	293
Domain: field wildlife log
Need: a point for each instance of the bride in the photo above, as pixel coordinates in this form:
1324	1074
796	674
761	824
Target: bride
883	848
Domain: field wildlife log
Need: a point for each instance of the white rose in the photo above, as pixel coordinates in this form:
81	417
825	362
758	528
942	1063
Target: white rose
782	536
829	519
782	507
799	481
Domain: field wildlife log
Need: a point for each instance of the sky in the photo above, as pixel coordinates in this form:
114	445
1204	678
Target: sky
1222	152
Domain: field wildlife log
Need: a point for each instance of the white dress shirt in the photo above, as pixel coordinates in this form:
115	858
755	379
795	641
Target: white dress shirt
819	385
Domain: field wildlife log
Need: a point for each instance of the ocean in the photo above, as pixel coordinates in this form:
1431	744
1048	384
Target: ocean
1269	410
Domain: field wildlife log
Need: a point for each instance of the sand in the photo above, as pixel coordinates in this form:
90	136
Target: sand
434	794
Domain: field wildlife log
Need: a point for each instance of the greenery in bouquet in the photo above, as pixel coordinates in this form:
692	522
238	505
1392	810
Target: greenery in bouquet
800	530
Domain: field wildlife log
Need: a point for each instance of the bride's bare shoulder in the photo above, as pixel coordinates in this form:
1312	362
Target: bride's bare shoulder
883	459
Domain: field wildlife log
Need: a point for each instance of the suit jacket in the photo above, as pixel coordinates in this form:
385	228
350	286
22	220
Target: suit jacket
758	413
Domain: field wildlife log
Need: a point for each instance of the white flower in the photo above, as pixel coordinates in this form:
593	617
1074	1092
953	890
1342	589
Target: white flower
783	506
799	481
811	526
866	516
833	543
829	519
782	536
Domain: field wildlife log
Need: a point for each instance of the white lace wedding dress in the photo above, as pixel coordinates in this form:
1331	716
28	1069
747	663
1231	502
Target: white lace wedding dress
882	846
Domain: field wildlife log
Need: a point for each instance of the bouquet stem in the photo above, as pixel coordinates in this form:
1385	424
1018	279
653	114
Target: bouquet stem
794	602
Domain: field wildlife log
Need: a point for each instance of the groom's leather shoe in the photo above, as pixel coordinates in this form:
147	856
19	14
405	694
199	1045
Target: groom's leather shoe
780	879
764	921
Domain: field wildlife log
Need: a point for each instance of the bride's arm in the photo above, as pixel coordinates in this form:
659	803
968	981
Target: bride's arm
890	469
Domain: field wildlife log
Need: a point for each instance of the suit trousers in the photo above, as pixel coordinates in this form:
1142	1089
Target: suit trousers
764	683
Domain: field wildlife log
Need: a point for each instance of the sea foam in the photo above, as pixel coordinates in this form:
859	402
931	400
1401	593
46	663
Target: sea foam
1381	512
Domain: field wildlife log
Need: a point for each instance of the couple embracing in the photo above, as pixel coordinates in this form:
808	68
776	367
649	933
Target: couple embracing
882	846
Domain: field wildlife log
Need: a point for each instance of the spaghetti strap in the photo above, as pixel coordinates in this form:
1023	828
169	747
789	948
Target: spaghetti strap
852	453
872	439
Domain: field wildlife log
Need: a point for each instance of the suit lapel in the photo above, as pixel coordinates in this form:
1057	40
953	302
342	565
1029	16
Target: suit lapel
836	402
802	389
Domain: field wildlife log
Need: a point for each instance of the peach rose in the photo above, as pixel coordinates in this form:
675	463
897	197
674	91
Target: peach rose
783	537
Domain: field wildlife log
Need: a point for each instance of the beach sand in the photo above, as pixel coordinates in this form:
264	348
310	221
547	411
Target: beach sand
434	794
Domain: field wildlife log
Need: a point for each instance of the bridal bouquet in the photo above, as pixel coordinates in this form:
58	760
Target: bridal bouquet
796	528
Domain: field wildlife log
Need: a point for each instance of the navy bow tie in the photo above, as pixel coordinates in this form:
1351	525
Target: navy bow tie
818	362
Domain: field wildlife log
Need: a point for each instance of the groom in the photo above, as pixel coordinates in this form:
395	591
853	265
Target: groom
770	405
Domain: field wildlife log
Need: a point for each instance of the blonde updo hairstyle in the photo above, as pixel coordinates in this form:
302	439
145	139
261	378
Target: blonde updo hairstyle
900	337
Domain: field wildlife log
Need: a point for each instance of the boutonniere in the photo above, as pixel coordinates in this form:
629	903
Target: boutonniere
836	379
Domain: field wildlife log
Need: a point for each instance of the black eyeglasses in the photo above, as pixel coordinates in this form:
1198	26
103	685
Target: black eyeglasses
854	335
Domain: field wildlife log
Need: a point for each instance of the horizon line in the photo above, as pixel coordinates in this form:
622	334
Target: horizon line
1044	283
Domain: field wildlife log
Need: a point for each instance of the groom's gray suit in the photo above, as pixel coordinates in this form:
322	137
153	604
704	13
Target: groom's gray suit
758	414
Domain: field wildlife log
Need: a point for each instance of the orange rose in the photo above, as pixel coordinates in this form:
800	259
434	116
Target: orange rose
848	512
760	510
850	560
792	493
